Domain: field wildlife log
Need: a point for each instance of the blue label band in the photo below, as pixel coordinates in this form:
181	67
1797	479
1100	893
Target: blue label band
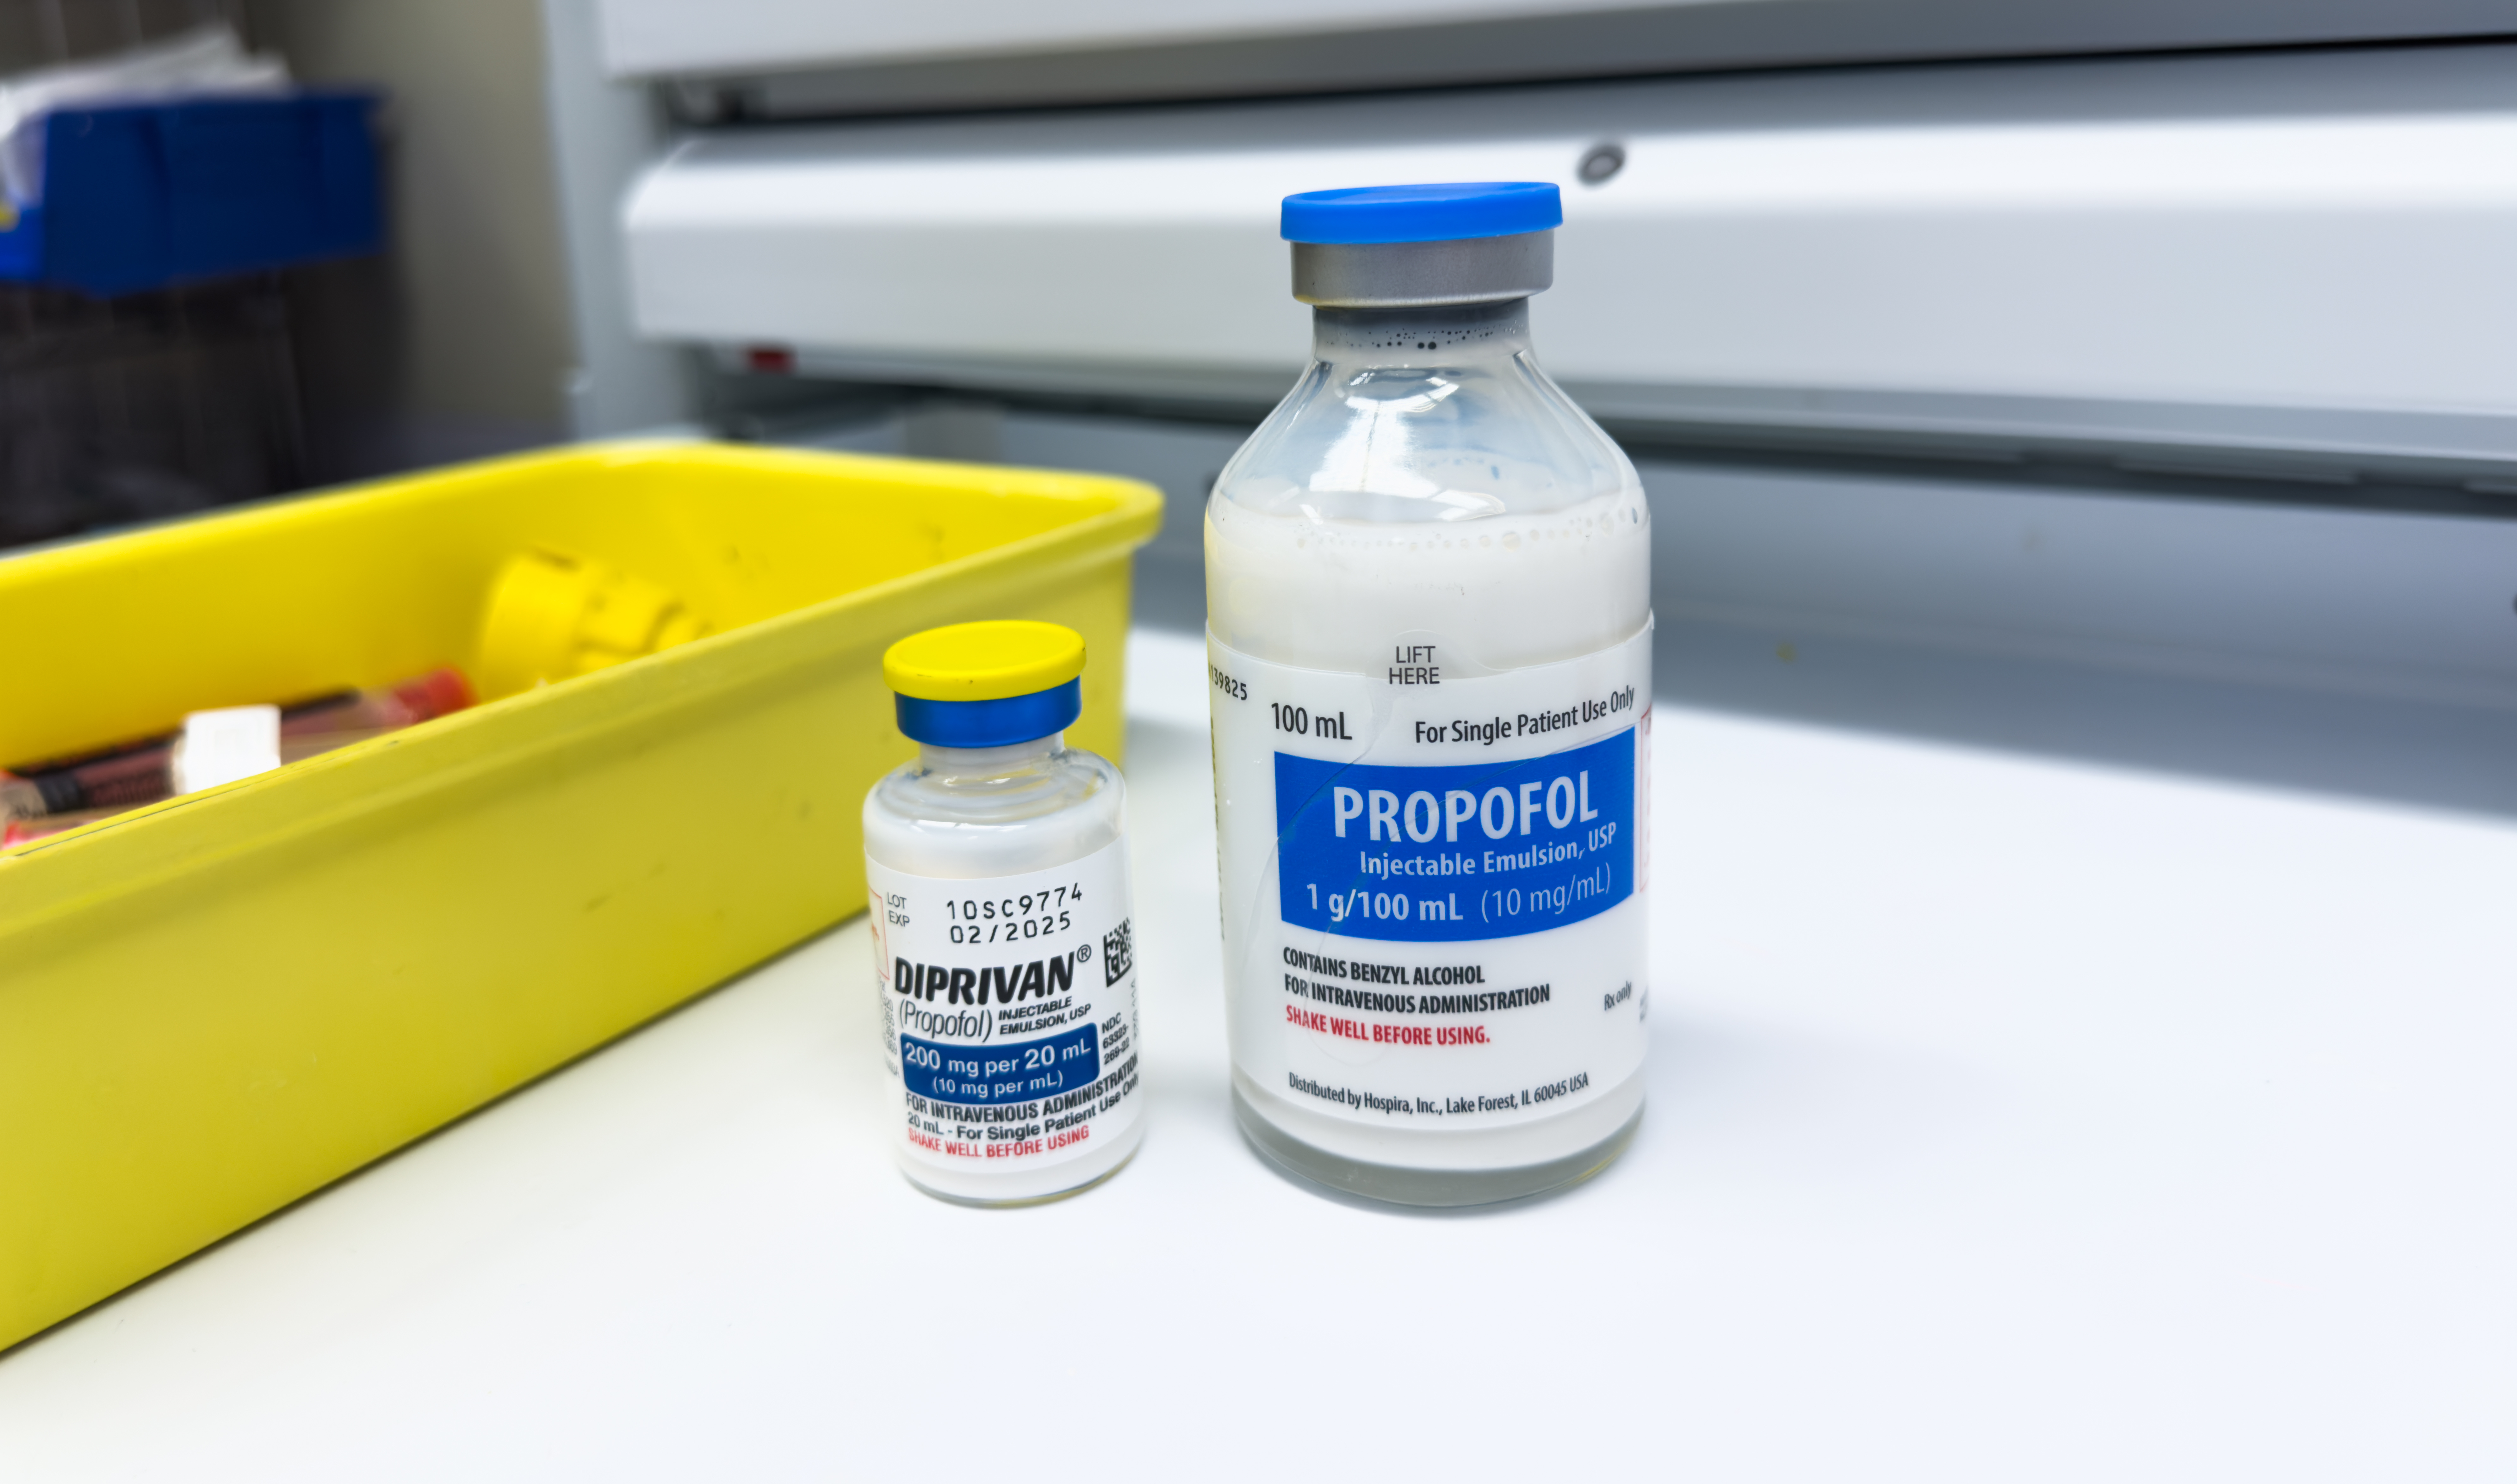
990	723
1455	854
1009	1073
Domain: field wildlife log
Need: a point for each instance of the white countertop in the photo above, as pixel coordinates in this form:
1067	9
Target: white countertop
2010	1119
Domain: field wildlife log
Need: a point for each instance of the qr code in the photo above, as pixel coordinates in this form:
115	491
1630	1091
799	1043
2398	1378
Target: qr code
1118	951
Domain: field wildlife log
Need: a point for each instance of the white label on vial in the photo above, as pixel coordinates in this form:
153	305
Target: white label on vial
1434	883
1008	1012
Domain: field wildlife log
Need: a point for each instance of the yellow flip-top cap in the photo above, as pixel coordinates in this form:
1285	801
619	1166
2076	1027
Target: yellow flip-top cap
992	661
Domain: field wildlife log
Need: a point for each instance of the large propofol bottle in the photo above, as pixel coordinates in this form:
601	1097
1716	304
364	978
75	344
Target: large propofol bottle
1428	620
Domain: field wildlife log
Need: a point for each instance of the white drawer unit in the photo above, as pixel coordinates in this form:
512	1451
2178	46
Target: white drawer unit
2301	254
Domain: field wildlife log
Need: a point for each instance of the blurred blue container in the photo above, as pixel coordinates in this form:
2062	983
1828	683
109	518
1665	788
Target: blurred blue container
139	196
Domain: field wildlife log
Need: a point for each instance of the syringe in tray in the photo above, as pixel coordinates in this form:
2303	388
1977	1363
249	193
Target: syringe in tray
56	794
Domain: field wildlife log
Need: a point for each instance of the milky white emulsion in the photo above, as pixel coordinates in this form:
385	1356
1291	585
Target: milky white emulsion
1430	641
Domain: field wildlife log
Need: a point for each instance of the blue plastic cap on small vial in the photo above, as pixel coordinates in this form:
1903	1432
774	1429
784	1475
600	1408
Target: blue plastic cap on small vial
1442	213
1000	723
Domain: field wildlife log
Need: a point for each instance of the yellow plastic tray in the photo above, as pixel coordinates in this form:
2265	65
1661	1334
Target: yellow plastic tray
215	1005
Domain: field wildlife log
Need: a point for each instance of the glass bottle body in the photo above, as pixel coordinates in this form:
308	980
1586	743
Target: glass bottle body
1003	941
1423	560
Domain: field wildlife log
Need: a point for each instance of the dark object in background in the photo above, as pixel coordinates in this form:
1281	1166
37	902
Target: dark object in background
166	401
156	405
142	195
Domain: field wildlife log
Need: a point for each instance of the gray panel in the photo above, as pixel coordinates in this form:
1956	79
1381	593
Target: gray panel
1682	38
2425	753
2346	603
2474	452
2338	650
2472	76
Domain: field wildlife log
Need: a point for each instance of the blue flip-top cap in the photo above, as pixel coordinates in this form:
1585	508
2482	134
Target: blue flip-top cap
998	723
1443	213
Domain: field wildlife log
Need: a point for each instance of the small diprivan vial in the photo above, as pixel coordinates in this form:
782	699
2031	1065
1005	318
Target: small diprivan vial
1429	629
996	865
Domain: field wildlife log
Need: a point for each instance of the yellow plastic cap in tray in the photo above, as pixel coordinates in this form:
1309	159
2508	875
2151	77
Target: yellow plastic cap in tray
990	660
554	615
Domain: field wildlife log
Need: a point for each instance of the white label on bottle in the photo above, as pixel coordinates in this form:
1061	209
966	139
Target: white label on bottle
1009	1011
1434	883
